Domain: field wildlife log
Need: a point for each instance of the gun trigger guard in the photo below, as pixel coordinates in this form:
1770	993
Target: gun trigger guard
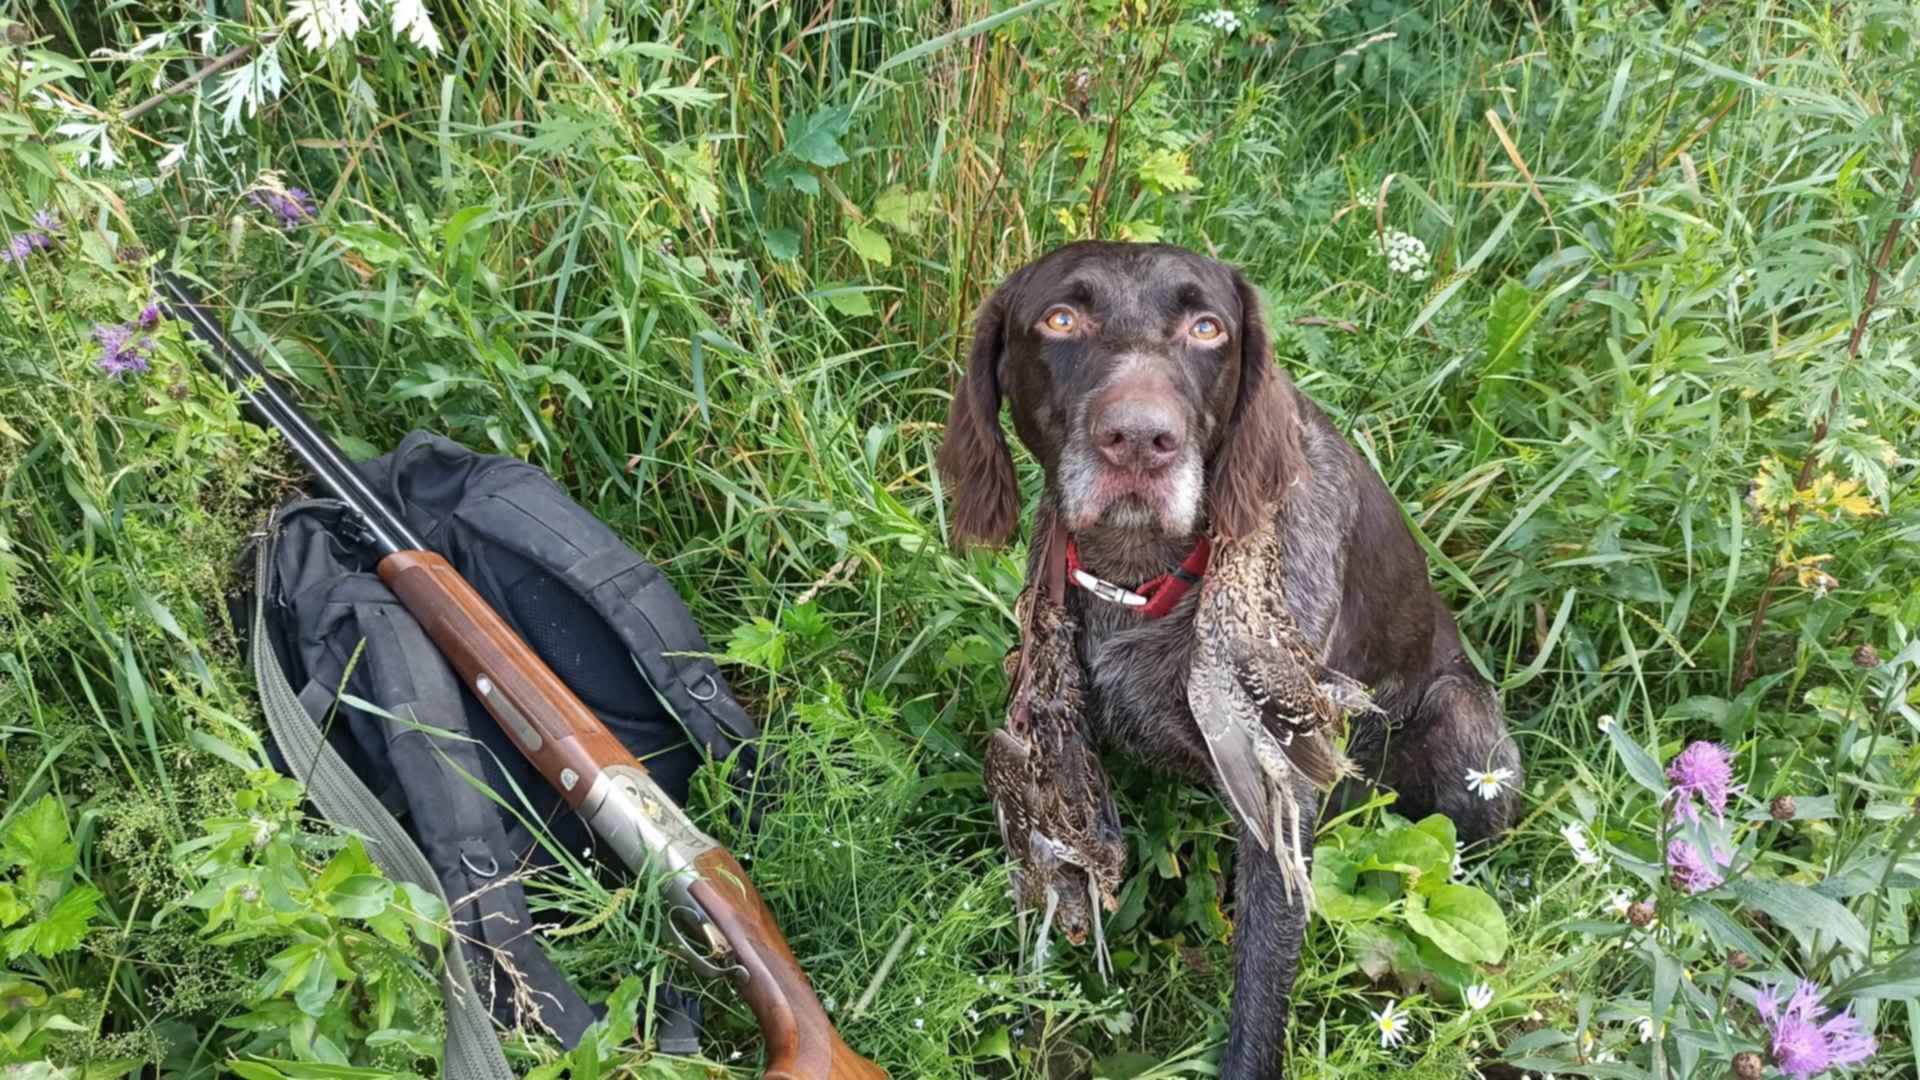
683	917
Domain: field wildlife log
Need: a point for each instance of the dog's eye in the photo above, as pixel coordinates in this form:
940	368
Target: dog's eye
1206	328
1060	320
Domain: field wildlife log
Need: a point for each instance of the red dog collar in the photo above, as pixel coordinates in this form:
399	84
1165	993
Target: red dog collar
1151	599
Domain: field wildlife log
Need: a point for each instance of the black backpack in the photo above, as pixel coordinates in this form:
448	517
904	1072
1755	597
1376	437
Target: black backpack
326	631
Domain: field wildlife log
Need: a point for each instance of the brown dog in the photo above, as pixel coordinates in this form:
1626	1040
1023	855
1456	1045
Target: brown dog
1142	379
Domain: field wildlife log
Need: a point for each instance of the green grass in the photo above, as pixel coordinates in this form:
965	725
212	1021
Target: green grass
712	265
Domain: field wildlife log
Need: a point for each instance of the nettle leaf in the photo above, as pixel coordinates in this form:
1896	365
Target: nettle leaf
1463	921
39	839
869	244
63	928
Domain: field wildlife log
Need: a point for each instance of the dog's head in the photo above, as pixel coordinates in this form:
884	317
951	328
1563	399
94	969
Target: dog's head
1141	377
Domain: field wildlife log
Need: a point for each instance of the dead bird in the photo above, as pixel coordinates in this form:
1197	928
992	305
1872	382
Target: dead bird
1266	706
1049	791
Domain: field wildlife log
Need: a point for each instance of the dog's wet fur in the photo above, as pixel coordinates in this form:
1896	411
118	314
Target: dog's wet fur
1156	410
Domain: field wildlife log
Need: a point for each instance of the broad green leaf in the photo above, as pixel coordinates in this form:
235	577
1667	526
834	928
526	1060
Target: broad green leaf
1336	891
38	839
869	244
782	243
816	139
1800	908
1415	853
62	929
361	896
899	210
1463	921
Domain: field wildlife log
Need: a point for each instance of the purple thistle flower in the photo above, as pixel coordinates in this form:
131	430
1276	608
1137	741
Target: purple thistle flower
120	354
18	247
149	317
1692	873
1703	770
293	207
47	220
1802	1043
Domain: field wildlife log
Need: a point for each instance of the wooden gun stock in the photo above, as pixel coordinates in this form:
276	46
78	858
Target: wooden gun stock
801	1042
712	907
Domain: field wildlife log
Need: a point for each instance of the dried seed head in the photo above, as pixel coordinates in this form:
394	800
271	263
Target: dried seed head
1783	808
1640	914
1866	656
1739	960
1747	1065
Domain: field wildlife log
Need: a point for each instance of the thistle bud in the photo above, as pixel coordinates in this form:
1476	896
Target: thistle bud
1747	1065
1640	914
1783	808
1866	656
1738	960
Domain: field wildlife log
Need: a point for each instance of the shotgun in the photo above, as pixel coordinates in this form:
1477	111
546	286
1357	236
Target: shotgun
717	921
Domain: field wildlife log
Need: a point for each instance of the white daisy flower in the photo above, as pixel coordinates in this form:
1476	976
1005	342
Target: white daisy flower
1392	1025
1576	837
1479	996
1488	783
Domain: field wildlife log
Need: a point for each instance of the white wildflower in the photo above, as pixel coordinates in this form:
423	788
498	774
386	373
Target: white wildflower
322	24
918	1023
1619	903
1576	837
1459	860
1488	783
1405	254
410	19
1606	723
1223	20
1645	1024
1391	1025
1479	996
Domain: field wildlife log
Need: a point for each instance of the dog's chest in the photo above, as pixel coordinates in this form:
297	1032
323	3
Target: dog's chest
1137	681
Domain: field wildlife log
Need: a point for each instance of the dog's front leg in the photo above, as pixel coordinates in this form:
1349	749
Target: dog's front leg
1268	926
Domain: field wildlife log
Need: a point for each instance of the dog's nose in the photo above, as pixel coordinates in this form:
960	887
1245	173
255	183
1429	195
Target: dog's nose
1138	434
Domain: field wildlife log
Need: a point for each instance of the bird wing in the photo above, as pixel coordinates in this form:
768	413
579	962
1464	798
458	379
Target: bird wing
1227	720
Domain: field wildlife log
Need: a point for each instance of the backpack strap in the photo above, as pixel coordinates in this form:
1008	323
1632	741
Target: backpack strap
460	827
649	615
472	1049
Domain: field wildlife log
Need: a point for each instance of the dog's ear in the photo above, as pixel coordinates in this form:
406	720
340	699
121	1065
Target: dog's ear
974	460
1264	456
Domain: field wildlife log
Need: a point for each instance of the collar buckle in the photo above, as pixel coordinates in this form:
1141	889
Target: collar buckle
1107	590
